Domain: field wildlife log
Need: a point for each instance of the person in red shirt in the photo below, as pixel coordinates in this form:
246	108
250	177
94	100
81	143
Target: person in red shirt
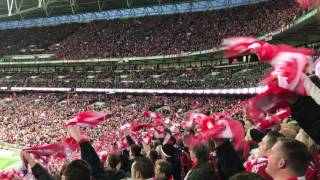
288	160
258	165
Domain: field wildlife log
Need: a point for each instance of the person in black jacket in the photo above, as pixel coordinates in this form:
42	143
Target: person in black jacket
88	153
229	162
306	109
76	169
112	171
170	153
125	162
38	171
135	152
202	168
88	168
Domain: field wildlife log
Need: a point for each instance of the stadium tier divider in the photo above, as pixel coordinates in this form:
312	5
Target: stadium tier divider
251	90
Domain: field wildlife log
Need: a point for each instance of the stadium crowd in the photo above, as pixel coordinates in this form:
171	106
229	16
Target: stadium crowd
177	33
154	35
49	111
177	148
33	40
31	119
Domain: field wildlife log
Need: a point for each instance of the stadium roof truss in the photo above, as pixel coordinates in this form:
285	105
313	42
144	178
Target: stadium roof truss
14	10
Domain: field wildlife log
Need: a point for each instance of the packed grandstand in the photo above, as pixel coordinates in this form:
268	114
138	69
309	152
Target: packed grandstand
181	95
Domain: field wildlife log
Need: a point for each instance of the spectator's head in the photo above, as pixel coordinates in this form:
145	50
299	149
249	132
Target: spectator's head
77	169
155	143
168	151
135	151
267	142
163	170
256	135
113	161
153	155
199	154
246	176
142	168
288	158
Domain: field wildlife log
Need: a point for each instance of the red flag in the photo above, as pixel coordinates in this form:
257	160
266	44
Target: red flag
88	119
150	114
137	126
274	119
46	150
219	127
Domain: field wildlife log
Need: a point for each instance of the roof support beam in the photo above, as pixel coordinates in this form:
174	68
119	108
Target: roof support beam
10	6
100	5
44	5
73	6
129	3
18	8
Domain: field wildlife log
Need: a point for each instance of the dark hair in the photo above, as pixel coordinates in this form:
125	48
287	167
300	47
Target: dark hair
165	167
256	135
144	166
153	155
113	160
77	169
156	143
135	150
246	176
297	155
124	152
273	138
201	152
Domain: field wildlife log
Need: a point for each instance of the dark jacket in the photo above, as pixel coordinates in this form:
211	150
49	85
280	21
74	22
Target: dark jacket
40	173
89	154
307	113
114	174
176	166
204	171
229	162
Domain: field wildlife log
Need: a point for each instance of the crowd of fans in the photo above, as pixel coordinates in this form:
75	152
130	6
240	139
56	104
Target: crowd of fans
33	40
153	35
172	34
37	119
23	116
285	152
31	119
183	78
